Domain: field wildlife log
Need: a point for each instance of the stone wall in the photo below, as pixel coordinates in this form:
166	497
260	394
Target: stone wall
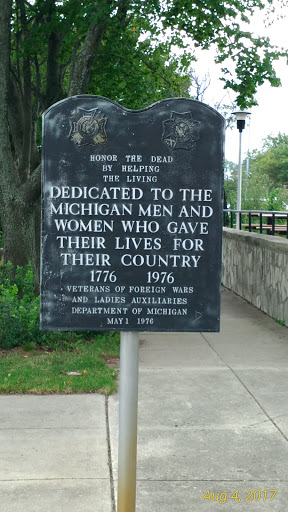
256	267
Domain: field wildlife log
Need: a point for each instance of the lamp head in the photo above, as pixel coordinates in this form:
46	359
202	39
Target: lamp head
241	117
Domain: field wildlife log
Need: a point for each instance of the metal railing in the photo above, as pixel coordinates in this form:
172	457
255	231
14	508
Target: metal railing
259	221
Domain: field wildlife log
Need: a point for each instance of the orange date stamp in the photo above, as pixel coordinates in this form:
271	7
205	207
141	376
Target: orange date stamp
237	496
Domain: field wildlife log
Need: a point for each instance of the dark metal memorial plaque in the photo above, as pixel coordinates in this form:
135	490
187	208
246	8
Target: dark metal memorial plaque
131	216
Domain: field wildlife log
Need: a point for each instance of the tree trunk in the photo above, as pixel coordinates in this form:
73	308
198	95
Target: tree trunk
19	233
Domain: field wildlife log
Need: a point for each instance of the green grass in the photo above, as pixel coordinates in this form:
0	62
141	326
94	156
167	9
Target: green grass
281	322
38	371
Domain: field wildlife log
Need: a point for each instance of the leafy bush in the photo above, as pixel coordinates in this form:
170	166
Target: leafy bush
19	307
20	315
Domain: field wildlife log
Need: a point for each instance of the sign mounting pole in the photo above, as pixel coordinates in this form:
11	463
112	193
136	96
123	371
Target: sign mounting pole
128	407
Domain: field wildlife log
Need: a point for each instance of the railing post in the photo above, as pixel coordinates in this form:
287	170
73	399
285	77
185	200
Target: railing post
273	223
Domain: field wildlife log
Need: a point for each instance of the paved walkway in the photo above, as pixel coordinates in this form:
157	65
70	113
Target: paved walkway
213	418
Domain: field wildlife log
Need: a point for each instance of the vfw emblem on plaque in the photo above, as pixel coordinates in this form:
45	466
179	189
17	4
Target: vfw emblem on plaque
88	127
181	131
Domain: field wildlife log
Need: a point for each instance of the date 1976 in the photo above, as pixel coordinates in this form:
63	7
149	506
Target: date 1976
257	495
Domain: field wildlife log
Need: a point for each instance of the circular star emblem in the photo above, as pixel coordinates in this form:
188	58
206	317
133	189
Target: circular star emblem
181	131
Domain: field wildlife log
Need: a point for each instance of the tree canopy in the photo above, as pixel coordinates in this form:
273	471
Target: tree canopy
272	160
265	186
121	49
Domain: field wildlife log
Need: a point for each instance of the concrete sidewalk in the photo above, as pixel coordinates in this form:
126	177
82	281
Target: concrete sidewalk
213	418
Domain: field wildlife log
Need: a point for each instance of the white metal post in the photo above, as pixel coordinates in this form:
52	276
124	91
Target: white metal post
128	408
239	183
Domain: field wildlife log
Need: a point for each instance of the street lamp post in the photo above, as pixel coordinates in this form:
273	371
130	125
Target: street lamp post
240	117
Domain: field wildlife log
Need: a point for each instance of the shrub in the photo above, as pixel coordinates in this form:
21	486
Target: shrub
20	314
19	307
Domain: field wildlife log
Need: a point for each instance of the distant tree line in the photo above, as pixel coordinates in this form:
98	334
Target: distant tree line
265	186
